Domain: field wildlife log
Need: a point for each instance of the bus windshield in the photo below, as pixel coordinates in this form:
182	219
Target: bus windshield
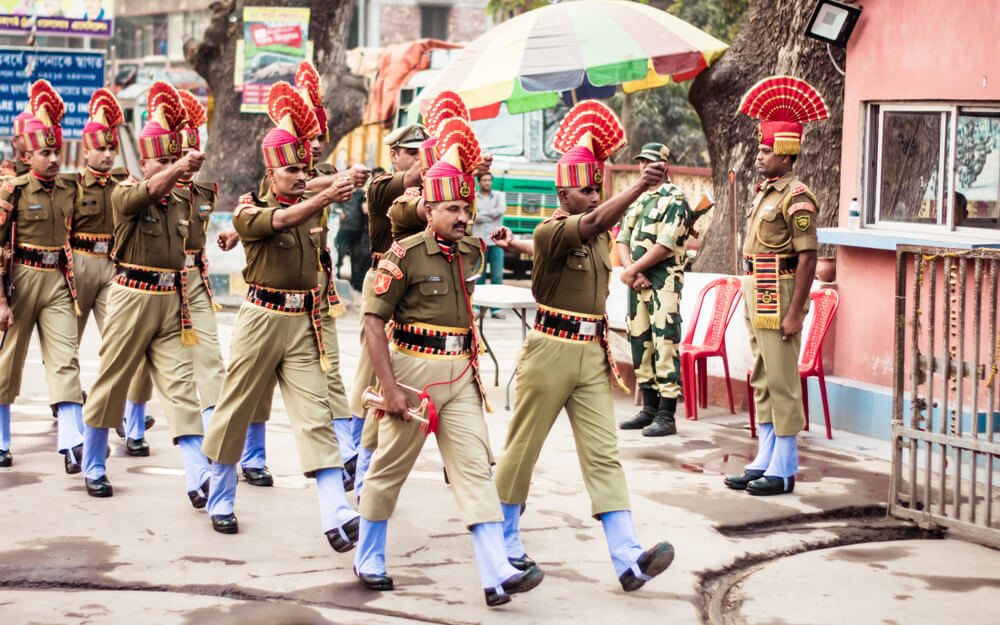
502	135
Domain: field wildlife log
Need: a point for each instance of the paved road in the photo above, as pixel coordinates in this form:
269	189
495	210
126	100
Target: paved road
145	556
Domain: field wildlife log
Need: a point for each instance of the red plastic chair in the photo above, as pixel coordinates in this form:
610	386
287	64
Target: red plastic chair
825	303
694	369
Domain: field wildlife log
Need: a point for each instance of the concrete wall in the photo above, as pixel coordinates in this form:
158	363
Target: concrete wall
915	50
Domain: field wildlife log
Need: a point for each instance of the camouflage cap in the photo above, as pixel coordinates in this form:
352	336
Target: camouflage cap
653	152
407	136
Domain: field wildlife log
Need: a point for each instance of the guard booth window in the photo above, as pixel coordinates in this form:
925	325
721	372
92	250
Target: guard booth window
434	22
933	165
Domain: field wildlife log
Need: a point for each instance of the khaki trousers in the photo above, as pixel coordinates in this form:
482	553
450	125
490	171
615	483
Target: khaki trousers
336	395
553	374
144	327
94	276
206	356
364	376
777	387
41	298
462	438
270	345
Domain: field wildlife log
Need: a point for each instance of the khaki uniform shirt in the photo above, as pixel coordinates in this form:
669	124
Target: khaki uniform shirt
147	231
660	216
782	218
201	198
278	259
94	213
381	192
569	273
403	214
415	283
43	219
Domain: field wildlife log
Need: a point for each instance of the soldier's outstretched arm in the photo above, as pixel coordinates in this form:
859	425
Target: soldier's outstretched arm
605	216
161	184
505	240
306	209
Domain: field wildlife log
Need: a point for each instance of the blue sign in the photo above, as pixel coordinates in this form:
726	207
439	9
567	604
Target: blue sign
74	75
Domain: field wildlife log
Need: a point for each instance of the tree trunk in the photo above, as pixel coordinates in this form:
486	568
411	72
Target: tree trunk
234	158
773	41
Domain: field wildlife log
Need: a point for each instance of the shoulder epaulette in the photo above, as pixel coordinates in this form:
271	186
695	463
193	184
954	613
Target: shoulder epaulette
399	249
247	201
20	181
384	176
555	217
411	193
7	186
118	172
797	190
128	182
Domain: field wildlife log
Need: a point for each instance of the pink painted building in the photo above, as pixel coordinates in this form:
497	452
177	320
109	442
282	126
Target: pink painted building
921	153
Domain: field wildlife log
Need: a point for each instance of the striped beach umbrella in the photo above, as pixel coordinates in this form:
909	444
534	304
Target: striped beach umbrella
580	48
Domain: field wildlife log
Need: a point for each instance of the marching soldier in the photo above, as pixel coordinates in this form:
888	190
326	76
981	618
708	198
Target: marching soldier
278	331
779	263
206	355
653	247
422	284
39	287
565	361
322	174
19	165
149	313
404	152
92	238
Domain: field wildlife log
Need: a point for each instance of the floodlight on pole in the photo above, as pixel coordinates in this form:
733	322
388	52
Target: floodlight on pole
832	22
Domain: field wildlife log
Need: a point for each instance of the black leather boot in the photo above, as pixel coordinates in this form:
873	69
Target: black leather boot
663	424
647	414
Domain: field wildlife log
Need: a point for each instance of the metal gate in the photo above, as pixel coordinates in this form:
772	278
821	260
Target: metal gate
945	421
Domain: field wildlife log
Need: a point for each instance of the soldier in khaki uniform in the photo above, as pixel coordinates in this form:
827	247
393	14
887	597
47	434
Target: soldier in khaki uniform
653	247
422	284
19	164
36	214
206	355
404	152
779	263
149	318
92	238
322	174
565	361
279	329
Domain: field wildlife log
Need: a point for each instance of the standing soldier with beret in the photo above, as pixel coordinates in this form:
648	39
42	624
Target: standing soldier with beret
779	263
206	355
653	247
149	313
37	277
565	362
279	332
422	284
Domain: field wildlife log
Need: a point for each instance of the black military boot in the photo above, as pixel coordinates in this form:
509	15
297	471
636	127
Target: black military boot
663	424
647	414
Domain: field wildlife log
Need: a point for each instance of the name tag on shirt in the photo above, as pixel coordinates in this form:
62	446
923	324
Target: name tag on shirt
205	208
34	207
151	219
579	253
434	279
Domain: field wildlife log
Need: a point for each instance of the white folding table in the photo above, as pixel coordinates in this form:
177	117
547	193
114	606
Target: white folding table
514	298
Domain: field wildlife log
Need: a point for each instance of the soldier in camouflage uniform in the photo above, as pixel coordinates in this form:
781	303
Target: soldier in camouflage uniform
653	247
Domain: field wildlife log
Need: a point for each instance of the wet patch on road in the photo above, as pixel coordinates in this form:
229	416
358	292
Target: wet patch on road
13	479
206	560
882	554
255	613
949	583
